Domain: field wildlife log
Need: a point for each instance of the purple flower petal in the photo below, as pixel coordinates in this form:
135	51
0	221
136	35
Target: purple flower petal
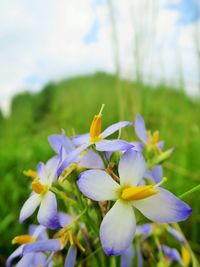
79	140
145	230
118	229
64	219
15	254
176	234
26	260
161	145
163	207
140	259
40	246
115	127
47	214
113	145
91	160
140	129
71	157
71	257
156	174
138	146
97	185
29	207
127	257
172	254
57	141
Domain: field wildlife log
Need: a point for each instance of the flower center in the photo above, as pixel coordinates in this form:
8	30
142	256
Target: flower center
38	187
23	239
153	138
139	192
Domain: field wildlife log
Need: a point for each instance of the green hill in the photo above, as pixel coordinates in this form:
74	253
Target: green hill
71	104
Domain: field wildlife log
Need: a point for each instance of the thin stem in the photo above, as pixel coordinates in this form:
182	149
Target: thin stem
194	189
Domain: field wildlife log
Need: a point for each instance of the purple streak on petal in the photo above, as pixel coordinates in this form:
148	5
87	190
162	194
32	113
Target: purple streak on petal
40	246
172	254
79	140
47	214
140	129
71	257
127	257
115	127
72	157
176	234
91	160
64	219
16	253
113	145
138	146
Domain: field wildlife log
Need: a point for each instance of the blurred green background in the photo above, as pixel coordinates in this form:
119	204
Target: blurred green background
70	104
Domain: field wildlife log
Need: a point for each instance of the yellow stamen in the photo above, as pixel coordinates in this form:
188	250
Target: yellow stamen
139	192
95	127
185	255
31	173
23	239
38	187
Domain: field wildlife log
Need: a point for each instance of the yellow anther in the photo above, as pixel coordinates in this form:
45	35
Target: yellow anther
23	239
185	255
95	127
138	192
38	187
31	173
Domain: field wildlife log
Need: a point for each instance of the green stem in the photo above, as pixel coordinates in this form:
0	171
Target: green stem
194	189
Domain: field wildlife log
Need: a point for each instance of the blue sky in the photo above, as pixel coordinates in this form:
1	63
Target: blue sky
42	41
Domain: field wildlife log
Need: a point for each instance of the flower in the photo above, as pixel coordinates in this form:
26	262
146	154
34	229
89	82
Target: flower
96	137
35	233
57	244
63	146
42	196
156	203
145	136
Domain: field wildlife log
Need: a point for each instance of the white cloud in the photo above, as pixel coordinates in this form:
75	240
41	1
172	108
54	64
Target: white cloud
43	40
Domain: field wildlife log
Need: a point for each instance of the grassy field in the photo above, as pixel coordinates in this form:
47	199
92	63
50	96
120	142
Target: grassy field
71	104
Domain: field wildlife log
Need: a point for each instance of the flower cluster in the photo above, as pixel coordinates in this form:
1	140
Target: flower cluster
93	190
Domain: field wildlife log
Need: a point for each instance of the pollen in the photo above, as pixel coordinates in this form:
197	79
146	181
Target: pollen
38	187
23	239
139	192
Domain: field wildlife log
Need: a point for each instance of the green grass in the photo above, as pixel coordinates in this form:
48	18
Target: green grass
70	105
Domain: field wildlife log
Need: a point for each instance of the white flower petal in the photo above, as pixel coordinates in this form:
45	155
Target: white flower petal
132	167
163	207
47	214
97	185
118	228
29	206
